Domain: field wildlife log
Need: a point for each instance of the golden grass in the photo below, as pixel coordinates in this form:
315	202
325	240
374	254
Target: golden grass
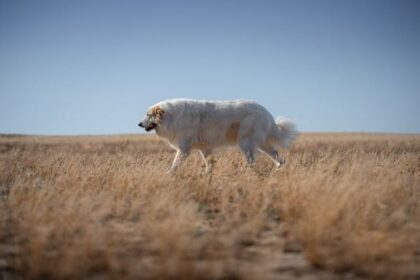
102	206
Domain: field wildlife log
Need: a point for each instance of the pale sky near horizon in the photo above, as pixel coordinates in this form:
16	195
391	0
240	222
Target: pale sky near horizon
94	67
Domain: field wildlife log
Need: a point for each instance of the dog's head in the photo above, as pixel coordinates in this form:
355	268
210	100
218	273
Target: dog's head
153	119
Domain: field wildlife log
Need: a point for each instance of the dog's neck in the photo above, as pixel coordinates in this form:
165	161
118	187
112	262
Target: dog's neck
163	132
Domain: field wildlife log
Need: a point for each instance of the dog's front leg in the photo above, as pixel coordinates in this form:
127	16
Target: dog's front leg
180	156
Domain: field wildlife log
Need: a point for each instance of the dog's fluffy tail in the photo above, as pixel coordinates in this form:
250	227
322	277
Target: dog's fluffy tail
286	132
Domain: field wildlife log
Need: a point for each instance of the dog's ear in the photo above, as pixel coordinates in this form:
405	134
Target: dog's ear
158	112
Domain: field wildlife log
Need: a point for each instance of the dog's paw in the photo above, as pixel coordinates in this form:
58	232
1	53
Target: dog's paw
280	162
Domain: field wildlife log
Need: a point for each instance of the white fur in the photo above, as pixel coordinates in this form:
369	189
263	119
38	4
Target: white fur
198	124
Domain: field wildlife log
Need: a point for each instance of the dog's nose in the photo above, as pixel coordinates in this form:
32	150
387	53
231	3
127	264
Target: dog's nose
141	124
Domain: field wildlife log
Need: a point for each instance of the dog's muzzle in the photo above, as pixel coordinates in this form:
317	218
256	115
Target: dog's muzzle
149	127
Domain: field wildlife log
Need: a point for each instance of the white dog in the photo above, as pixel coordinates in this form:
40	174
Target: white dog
204	125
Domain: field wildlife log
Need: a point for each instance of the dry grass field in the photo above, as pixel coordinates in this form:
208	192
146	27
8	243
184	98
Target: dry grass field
344	206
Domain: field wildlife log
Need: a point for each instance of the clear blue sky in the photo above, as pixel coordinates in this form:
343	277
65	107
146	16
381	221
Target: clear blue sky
93	67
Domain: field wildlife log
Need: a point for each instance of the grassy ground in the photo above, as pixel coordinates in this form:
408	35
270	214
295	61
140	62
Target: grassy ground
343	206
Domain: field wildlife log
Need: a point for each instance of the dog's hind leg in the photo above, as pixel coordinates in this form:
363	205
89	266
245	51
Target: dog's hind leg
272	154
248	148
205	154
180	156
